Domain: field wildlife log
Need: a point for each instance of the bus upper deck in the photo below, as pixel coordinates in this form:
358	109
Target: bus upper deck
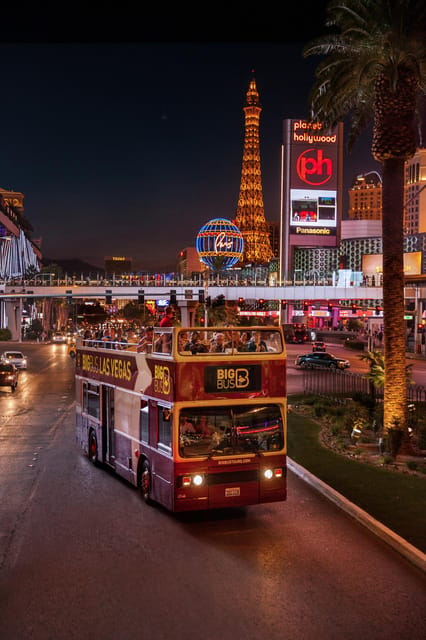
178	376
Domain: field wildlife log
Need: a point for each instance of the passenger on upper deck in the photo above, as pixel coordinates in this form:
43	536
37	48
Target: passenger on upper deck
195	345
218	344
145	342
256	343
244	341
168	318
182	340
163	344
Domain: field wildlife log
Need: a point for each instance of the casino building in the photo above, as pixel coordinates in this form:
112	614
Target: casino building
19	254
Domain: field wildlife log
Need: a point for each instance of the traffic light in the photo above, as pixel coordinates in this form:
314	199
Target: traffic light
201	296
261	303
305	306
108	296
240	301
330	307
201	321
420	327
69	297
283	305
378	309
208	301
354	308
173	299
141	296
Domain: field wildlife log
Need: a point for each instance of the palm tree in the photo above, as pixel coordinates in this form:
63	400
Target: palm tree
375	70
376	371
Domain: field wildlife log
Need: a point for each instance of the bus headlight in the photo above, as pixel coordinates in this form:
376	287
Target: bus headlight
196	480
273	473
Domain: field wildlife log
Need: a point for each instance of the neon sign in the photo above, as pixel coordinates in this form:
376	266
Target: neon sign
313	168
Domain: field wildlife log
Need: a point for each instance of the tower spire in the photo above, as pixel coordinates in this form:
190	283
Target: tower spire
250	218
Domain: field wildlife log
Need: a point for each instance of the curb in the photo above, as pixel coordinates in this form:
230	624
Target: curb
414	555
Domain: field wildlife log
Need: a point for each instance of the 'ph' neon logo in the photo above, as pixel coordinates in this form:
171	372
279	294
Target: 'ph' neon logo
314	170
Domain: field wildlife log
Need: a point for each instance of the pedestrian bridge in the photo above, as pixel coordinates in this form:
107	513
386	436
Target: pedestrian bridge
185	291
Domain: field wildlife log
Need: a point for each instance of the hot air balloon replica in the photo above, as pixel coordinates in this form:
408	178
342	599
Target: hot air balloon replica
219	244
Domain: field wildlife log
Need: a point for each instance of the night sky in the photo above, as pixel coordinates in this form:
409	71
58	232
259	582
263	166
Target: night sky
126	146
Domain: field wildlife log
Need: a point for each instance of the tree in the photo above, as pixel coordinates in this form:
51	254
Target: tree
375	70
376	372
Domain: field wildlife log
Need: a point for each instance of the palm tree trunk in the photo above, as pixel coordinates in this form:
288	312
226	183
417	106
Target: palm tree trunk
395	384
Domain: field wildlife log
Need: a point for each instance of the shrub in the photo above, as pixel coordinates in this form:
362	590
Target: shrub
5	334
412	464
364	399
421	437
355	345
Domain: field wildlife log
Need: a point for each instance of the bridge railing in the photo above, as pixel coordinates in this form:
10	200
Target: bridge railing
164	280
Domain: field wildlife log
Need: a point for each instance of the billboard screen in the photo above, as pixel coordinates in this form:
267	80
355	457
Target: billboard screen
313	211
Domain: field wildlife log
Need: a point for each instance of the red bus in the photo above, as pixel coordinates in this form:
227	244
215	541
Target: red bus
192	424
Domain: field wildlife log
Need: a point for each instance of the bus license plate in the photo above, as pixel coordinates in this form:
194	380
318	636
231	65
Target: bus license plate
232	491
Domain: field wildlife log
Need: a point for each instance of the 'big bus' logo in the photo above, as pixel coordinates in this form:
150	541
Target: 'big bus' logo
162	379
228	378
313	168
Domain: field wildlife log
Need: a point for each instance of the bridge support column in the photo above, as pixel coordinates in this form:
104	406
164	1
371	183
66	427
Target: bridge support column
11	317
187	311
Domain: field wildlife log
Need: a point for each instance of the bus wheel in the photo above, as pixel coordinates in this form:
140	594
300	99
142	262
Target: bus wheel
145	484
93	448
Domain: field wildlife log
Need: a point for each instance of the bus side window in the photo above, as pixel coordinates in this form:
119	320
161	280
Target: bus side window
144	423
164	427
91	400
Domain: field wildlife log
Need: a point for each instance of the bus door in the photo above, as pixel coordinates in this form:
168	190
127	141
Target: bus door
161	463
108	424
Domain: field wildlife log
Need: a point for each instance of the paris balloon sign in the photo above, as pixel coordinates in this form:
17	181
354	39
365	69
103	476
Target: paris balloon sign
219	244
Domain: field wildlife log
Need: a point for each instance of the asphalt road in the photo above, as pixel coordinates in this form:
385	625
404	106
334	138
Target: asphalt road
81	556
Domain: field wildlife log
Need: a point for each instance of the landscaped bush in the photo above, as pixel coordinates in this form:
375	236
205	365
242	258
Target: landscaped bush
5	334
421	437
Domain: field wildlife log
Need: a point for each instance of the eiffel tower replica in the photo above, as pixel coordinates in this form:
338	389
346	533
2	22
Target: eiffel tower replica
250	218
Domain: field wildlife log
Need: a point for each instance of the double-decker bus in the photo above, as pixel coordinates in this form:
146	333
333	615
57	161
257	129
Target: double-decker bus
192	424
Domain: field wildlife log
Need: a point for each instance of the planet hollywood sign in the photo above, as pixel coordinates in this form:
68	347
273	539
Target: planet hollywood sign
312	172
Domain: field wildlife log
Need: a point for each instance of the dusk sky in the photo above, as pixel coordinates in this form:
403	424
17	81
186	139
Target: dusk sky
128	148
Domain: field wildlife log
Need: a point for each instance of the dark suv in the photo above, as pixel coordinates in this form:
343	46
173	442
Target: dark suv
320	360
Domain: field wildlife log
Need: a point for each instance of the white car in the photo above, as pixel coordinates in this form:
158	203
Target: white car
59	338
15	357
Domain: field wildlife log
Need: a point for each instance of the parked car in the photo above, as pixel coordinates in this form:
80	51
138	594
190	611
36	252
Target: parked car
15	357
8	375
59	338
321	360
318	345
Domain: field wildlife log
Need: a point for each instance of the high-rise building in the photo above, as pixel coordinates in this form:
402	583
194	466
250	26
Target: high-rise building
415	193
117	265
188	262
365	197
250	217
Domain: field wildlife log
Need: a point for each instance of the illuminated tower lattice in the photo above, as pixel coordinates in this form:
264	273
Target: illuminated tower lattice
250	217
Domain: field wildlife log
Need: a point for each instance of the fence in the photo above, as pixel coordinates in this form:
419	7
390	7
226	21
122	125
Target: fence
341	383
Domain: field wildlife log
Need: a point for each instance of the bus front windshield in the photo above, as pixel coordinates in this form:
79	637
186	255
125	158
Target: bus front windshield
224	431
